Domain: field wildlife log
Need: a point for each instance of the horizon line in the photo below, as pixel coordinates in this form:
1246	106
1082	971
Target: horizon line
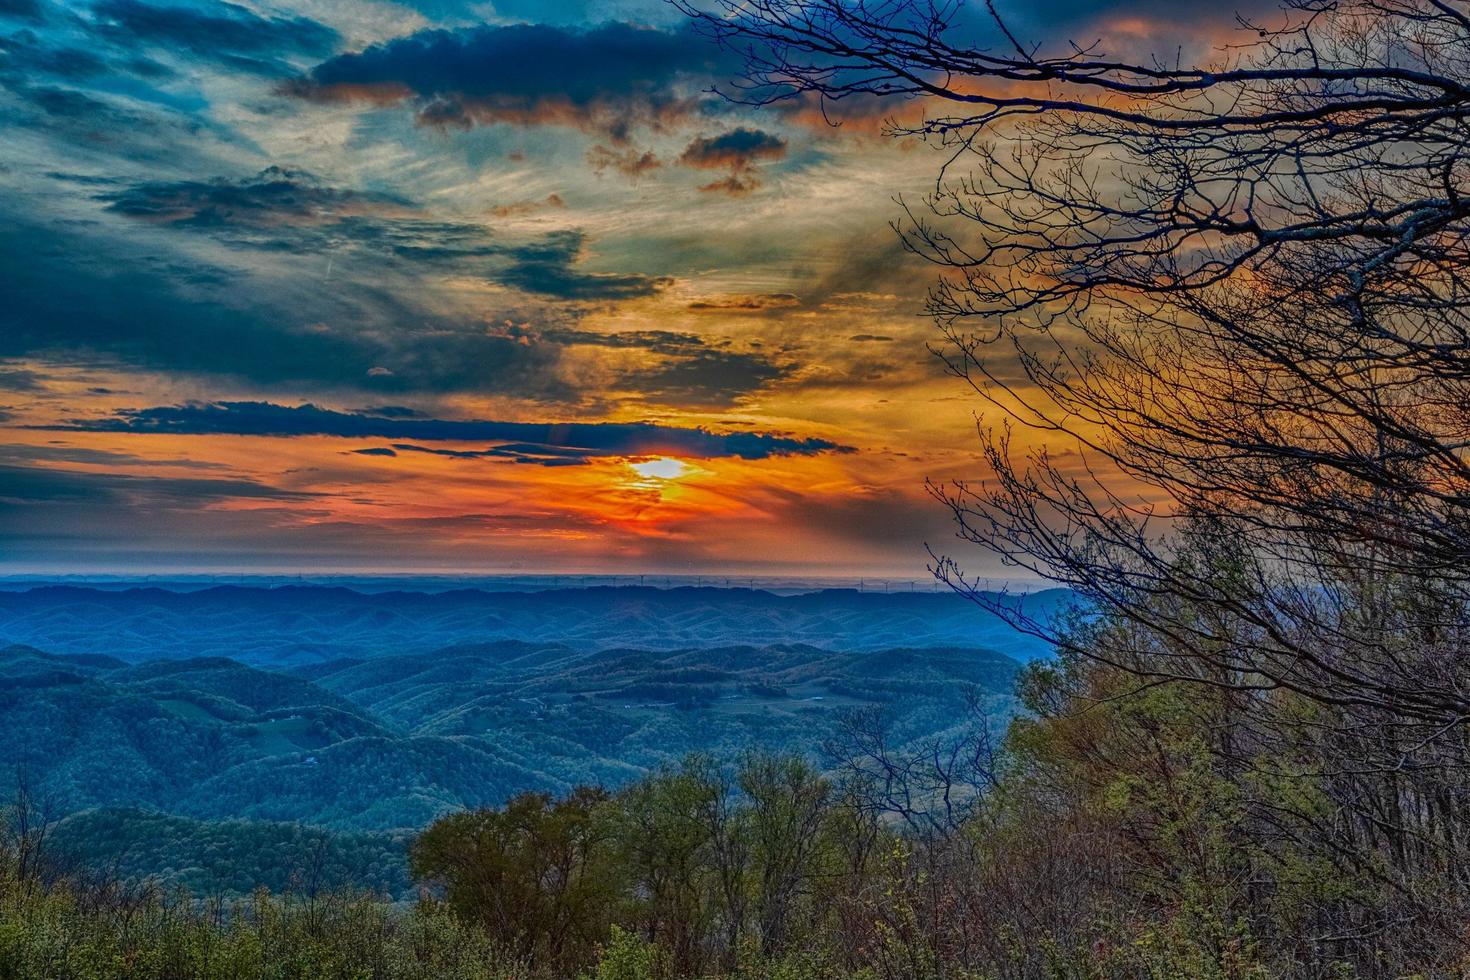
515	582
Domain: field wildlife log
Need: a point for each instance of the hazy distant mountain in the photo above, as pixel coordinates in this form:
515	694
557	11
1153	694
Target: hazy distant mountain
303	624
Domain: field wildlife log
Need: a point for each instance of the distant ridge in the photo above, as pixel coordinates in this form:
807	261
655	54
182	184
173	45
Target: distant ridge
430	582
311	623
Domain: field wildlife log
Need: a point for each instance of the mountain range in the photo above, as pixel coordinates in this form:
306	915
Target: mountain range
335	728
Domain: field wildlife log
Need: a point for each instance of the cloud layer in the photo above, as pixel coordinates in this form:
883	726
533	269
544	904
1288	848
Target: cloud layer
232	219
589	439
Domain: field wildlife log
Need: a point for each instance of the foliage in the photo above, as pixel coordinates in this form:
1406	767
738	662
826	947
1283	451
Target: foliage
627	957
233	857
73	933
537	875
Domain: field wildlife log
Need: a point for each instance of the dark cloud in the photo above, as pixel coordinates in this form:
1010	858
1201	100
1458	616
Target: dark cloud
344	311
19	379
21	9
745	303
693	371
531	449
286	210
226	32
655	341
47	484
86	180
92	457
391	411
100	123
82	296
25	53
547	268
711	378
69	104
737	151
600	438
608	78
514	452
283	209
563	282
275	196
870	338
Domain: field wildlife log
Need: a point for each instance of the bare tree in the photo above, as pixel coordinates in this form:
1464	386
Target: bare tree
26	824
1218	320
931	786
1231	294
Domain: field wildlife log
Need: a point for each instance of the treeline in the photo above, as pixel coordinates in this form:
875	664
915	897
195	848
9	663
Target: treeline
233	858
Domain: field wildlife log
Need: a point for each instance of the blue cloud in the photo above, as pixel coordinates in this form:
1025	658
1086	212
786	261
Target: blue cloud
528	438
48	484
73	294
607	78
275	196
21	9
547	268
225	32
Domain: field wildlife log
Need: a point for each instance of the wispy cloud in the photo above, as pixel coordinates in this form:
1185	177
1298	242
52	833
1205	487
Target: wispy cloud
45	484
745	303
549	268
227	32
275	196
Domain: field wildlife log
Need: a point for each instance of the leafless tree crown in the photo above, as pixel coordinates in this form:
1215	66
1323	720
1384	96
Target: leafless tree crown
1217	313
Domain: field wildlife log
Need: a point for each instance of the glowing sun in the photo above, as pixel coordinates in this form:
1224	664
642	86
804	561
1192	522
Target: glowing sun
662	468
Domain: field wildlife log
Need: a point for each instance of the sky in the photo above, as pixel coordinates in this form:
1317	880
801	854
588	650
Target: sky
439	286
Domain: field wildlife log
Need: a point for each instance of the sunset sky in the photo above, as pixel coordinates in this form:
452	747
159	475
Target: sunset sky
467	287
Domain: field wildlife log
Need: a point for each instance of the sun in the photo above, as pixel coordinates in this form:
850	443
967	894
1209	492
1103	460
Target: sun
662	468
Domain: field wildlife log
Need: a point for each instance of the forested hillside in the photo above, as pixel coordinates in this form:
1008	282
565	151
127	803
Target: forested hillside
224	776
393	742
230	857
